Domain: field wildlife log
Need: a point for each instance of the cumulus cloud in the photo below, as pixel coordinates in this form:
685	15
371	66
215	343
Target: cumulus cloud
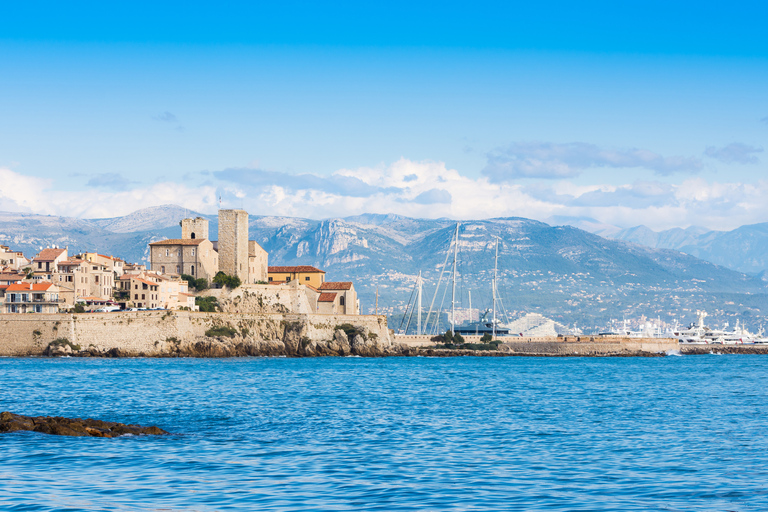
20	193
549	160
425	189
734	153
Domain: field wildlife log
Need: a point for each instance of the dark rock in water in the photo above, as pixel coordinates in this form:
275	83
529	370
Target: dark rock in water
56	425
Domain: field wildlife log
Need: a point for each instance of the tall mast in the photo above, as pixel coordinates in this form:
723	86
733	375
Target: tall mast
418	318
495	267
453	293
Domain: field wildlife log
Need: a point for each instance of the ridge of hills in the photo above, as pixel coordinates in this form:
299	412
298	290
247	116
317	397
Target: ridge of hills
744	249
563	272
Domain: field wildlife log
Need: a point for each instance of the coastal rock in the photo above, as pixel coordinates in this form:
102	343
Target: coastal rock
56	425
365	346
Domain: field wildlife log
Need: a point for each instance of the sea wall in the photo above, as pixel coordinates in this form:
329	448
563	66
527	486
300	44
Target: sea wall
569	345
163	333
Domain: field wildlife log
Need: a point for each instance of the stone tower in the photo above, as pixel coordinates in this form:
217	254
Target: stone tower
233	243
194	229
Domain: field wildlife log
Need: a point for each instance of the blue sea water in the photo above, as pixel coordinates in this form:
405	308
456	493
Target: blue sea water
675	433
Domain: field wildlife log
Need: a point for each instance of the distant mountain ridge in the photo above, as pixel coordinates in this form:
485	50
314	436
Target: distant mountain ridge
744	249
561	271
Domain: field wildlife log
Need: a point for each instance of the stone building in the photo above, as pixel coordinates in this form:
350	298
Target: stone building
233	243
194	254
194	257
306	274
47	259
258	263
194	229
338	298
113	264
31	298
81	280
13	260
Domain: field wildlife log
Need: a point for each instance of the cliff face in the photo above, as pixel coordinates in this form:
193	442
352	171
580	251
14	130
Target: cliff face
189	334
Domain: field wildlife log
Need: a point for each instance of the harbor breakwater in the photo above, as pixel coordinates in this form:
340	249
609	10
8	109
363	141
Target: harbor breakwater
196	334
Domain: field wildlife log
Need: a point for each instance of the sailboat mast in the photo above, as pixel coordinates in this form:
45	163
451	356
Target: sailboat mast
495	267
418	318
453	293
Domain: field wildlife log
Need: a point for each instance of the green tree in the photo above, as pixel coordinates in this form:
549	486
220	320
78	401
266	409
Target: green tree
224	280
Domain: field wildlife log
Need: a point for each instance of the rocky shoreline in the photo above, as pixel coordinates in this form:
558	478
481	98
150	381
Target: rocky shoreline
75	427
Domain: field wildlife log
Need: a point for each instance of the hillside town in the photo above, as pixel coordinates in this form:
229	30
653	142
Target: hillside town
180	272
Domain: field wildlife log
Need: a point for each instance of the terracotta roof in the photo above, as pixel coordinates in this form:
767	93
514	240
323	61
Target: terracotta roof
70	262
25	287
11	275
344	285
179	241
326	297
147	282
49	254
186	294
300	268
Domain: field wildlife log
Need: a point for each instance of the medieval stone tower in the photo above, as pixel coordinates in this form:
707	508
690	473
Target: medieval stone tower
233	243
194	229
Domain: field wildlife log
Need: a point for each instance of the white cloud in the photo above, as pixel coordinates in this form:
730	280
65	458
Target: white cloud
416	189
21	193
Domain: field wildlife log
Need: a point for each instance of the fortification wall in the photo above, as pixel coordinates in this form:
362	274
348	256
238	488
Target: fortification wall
569	345
156	333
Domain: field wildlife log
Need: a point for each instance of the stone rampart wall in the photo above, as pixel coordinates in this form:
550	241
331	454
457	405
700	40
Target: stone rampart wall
161	332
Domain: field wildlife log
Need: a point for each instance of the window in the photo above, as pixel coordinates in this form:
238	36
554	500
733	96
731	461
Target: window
167	252
193	237
142	296
341	301
306	278
136	297
270	279
39	264
193	251
192	270
177	269
162	269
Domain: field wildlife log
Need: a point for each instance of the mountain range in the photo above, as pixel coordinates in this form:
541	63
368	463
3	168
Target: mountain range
563	272
744	249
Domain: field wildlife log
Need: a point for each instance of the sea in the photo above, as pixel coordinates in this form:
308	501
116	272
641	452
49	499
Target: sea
463	433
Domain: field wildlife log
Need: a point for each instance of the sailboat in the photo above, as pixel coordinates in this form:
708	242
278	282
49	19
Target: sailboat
486	325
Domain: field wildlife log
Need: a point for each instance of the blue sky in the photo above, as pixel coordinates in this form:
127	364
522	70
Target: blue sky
625	112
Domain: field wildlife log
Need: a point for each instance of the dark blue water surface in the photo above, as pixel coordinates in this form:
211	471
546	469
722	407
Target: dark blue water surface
673	433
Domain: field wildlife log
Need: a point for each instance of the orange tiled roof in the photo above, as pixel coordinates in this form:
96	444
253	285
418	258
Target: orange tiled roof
48	254
26	287
299	268
70	262
179	241
326	297
147	282
342	285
